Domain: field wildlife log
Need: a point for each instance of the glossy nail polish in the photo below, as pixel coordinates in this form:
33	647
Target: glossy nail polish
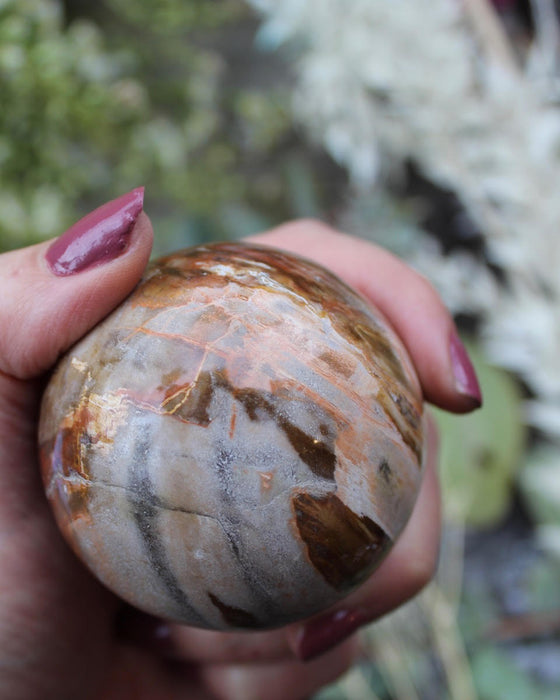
466	381
324	633
100	236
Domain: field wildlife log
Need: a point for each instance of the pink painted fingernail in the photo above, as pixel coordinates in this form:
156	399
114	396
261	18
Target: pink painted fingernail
99	237
324	633
466	381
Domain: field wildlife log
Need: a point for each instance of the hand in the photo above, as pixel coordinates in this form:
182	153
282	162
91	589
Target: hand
62	635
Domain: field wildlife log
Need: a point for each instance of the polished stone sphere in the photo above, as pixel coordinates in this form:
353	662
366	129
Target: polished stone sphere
238	444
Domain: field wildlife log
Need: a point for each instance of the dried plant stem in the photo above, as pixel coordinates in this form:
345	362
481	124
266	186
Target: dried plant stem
392	666
449	644
355	685
491	34
449	577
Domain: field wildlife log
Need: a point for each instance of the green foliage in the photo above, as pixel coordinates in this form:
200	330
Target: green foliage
163	93
497	677
542	586
481	452
168	17
67	106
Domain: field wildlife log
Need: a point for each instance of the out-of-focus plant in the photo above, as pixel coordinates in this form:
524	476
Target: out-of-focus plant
481	453
79	124
66	105
98	98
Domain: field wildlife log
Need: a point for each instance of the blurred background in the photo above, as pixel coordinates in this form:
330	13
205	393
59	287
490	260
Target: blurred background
431	127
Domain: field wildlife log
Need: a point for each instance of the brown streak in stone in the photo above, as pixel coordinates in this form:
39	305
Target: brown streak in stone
342	546
405	419
318	456
232	423
71	440
191	402
171	378
65	454
259	405
168	283
377	344
337	364
234	617
408	412
77	499
60	461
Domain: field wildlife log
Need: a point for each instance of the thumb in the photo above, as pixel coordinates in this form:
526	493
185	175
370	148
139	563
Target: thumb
54	292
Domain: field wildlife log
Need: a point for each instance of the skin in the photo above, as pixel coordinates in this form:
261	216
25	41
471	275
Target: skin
62	635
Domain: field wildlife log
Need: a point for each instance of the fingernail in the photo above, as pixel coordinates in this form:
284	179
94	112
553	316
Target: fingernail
324	633
99	237
466	381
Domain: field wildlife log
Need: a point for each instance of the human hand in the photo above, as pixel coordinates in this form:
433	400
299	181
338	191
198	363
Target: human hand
62	635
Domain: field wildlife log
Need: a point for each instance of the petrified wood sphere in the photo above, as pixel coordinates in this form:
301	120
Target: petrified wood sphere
238	444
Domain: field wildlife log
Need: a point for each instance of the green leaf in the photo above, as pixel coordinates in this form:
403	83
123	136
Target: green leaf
496	677
480	452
